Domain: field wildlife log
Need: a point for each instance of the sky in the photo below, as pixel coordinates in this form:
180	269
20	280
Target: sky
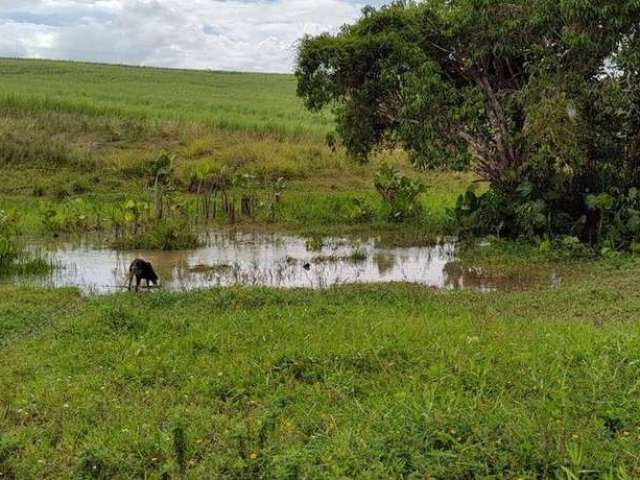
239	35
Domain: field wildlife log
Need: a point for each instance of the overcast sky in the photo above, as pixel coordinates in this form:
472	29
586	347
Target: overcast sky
244	35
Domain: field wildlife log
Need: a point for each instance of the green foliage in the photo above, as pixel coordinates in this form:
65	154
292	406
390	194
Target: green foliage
70	215
478	215
360	211
536	96
619	217
399	193
13	257
566	248
134	223
161	170
358	255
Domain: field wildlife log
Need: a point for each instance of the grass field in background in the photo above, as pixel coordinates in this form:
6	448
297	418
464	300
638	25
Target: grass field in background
241	101
84	131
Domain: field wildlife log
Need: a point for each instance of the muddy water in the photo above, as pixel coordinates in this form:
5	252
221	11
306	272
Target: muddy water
260	259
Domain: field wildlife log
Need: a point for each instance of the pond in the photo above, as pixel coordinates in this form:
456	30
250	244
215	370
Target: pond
229	258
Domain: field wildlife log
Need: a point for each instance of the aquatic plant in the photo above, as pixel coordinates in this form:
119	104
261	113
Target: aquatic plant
13	257
168	234
160	173
358	255
313	244
276	192
70	215
9	250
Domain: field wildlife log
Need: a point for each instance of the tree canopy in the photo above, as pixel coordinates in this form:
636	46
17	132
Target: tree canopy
537	96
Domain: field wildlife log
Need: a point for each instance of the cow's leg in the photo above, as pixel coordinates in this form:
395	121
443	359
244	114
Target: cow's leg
130	280
138	280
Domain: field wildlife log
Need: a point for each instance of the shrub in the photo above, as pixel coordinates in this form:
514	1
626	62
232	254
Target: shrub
359	211
618	216
476	215
566	247
399	193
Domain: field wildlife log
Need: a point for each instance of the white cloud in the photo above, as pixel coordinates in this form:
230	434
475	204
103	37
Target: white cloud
246	35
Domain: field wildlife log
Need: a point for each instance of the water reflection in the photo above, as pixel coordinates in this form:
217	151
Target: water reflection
260	259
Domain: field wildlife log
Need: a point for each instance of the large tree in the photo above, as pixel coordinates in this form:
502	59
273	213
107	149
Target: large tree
534	95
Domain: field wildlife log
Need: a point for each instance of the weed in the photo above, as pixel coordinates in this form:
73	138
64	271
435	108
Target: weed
399	193
313	244
13	257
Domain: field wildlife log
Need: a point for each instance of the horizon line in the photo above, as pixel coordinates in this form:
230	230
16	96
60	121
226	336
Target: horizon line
131	65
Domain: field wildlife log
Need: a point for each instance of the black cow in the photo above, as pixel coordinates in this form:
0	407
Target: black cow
142	271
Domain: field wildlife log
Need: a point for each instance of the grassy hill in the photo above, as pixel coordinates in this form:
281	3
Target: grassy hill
244	101
76	130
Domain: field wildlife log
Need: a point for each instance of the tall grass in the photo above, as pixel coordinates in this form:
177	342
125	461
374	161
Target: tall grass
13	257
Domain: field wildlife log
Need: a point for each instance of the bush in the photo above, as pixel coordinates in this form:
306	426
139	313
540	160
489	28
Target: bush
399	193
618	216
359	211
611	221
566	248
478	215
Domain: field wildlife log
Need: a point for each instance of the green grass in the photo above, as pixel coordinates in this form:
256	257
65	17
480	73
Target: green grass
72	131
27	264
250	102
358	382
